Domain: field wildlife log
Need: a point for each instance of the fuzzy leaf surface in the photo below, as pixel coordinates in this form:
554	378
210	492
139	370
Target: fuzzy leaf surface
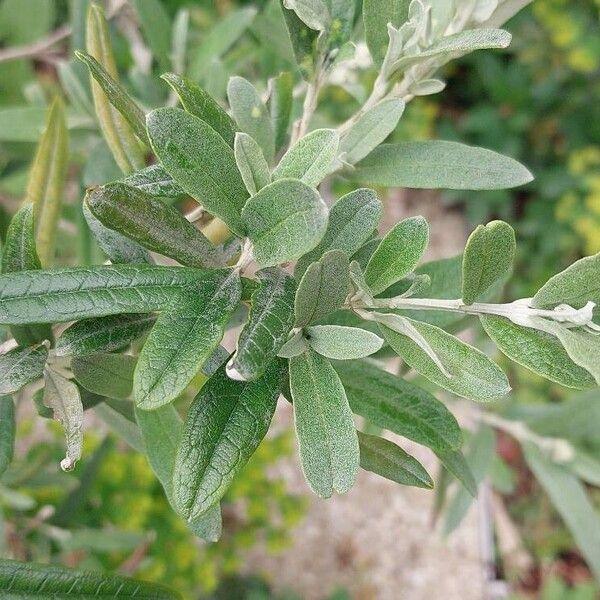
342	343
21	366
251	163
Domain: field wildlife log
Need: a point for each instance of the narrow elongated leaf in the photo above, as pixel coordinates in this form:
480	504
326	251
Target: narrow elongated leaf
472	374
327	439
576	285
352	220
388	460
251	163
153	224
7	432
200	161
323	288
201	104
21	366
342	343
455	463
47	179
109	375
156	27
270	321
283	221
117	132
371	129
488	259
398	254
154	180
280	106
251	114
438	164
376	15
225	424
69	294
62	396
392	403
184	337
116	95
538	351
104	334
310	158
27	581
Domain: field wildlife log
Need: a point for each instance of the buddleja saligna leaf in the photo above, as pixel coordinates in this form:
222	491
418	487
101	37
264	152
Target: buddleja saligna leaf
488	258
270	321
47	179
7	432
105	374
116	95
388	460
117	132
183	338
342	343
201	104
154	180
62	396
152	224
21	581
200	161
376	15
398	405
280	106
538	351
323	288
352	220
283	221
69	294
20	254
398	254
303	39
21	366
225	424
310	158
251	163
103	334
327	439
455	462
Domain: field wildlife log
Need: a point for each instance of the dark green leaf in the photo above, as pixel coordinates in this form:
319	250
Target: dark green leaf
7	432
21	366
104	374
304	41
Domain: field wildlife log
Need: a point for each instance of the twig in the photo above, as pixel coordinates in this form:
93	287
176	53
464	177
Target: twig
38	49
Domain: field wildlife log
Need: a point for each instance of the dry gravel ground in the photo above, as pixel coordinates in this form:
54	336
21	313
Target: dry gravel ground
377	541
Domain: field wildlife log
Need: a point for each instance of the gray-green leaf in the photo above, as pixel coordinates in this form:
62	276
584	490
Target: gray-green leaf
154	180
376	15
342	343
21	366
251	163
7	432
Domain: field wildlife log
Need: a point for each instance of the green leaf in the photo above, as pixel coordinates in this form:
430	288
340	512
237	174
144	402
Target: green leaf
20	254
327	439
304	41
117	132
184	337
576	285
200	161
388	460
27	581
251	163
283	221
225	424
310	158
153	224
270	321
7	432
47	178
538	351
201	104
21	366
572	503
69	294
398	254
390	402
472	374
314	13
154	180
376	15
488	259
109	375
121	425
342	343
62	396
75	85
103	334
438	164
116	95
156	27
280	105
455	463
323	288
352	220
371	129
251	114
296	345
